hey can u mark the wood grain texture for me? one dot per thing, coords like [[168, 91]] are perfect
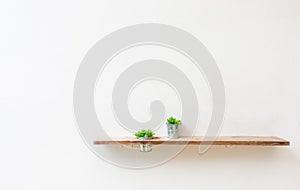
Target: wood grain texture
[[197, 140]]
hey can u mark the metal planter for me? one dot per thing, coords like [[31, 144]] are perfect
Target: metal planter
[[173, 131], [145, 147]]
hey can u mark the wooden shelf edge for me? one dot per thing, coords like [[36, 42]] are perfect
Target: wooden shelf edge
[[197, 140]]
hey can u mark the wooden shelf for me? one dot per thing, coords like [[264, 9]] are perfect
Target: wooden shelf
[[197, 140]]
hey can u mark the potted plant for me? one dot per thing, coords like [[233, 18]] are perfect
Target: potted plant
[[173, 127], [145, 134]]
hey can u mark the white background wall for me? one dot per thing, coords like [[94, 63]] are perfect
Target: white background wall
[[255, 43]]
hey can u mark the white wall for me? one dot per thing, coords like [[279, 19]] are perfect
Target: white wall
[[255, 43]]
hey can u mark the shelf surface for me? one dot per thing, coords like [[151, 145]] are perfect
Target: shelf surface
[[197, 140]]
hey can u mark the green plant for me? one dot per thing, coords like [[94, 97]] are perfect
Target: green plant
[[174, 121], [144, 133]]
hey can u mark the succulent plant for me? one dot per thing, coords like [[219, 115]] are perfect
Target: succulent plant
[[146, 133], [172, 120]]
